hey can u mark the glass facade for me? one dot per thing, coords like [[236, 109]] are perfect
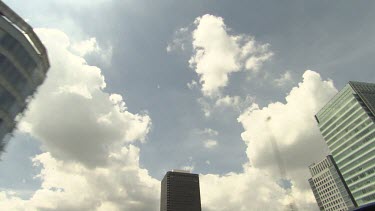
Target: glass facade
[[23, 66], [180, 191], [347, 124], [329, 188]]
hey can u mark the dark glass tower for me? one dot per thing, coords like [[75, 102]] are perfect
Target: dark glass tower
[[180, 192], [23, 67]]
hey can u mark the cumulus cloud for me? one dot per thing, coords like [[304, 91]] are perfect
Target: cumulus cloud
[[228, 101], [233, 191], [290, 127], [91, 46], [73, 98], [90, 161], [217, 53], [86, 46]]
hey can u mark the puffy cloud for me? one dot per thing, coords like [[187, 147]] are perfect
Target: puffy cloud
[[233, 191], [86, 46], [89, 161], [217, 54], [91, 46], [121, 185], [291, 126], [228, 101], [72, 116], [288, 131]]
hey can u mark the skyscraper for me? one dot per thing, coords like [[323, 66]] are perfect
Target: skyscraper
[[329, 189], [23, 67], [180, 192], [347, 123]]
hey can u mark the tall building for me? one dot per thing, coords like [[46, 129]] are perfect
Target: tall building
[[180, 192], [330, 191], [347, 123], [23, 67]]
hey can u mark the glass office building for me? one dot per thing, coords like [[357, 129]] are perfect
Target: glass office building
[[180, 192], [328, 186], [23, 67], [347, 124]]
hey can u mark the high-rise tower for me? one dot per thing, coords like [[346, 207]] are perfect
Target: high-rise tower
[[180, 192], [23, 67], [347, 123], [329, 189]]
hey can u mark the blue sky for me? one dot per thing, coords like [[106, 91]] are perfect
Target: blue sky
[[138, 88]]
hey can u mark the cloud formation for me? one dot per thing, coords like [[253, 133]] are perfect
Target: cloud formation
[[90, 161], [291, 126], [217, 53]]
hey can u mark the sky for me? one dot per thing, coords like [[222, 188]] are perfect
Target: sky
[[226, 89]]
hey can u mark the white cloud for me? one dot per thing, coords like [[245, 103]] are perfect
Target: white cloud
[[217, 54], [73, 98], [284, 79], [91, 46], [189, 168], [86, 46], [210, 143], [291, 126], [89, 161], [233, 191], [228, 101]]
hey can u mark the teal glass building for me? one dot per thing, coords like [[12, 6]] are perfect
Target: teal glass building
[[347, 123], [23, 67]]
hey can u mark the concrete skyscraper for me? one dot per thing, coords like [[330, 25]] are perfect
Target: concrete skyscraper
[[329, 189], [180, 192], [347, 123], [23, 67]]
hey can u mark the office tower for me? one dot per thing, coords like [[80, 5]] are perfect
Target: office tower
[[329, 189], [180, 192], [23, 67], [347, 125]]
